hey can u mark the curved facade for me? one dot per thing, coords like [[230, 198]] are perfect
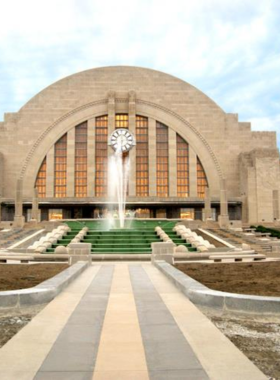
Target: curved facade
[[58, 144]]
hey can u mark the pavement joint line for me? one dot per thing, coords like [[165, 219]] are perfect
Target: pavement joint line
[[22, 356], [121, 353], [218, 355]]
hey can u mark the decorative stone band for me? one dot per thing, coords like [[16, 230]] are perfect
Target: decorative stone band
[[44, 292], [225, 302]]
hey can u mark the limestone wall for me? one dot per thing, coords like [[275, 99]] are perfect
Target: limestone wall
[[216, 137], [260, 184]]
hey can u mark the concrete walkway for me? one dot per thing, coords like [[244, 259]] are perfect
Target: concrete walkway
[[122, 321]]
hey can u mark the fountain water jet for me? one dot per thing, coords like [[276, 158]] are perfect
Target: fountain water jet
[[118, 176]]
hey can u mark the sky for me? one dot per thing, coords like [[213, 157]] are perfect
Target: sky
[[228, 49]]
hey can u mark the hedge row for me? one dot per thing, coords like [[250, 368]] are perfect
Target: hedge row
[[273, 232]]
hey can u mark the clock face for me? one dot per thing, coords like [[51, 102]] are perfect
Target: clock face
[[122, 140]]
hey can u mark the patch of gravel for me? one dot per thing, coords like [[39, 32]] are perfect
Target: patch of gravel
[[12, 321], [258, 339]]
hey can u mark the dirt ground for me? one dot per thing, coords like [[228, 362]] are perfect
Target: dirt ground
[[244, 278], [20, 276], [258, 339]]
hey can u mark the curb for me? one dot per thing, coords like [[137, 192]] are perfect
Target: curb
[[226, 302], [44, 292]]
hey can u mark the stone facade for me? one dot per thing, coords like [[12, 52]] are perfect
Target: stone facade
[[227, 148]]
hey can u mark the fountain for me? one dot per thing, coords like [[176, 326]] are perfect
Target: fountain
[[122, 141]]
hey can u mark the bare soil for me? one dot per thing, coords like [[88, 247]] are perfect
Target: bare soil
[[259, 278], [21, 276]]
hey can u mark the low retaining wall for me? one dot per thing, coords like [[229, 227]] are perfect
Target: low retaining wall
[[44, 292], [21, 245], [226, 302]]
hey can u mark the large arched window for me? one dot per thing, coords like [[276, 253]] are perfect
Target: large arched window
[[182, 167], [202, 182], [81, 160], [142, 157], [101, 155], [41, 180], [60, 167], [160, 159]]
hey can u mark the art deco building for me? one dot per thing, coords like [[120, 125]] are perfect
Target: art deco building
[[58, 143]]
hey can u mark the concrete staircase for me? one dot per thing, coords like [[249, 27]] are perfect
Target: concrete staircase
[[237, 238], [14, 235], [136, 240]]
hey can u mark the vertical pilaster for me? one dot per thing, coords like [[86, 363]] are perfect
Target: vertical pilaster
[[223, 199], [91, 158], [19, 218], [1, 175], [50, 173], [244, 208], [18, 198], [111, 112], [192, 172], [172, 163], [223, 217], [275, 202], [152, 158], [132, 153], [70, 190], [1, 182], [207, 204], [35, 208], [111, 126]]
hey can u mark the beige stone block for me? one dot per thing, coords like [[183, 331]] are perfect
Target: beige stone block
[[121, 375], [10, 374], [113, 357], [29, 356], [122, 333], [123, 302]]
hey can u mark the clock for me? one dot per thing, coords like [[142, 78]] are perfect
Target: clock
[[122, 140]]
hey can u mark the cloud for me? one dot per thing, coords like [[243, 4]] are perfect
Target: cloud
[[229, 50]]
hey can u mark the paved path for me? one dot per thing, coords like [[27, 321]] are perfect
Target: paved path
[[122, 321]]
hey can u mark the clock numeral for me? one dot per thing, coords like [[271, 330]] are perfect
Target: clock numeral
[[121, 139]]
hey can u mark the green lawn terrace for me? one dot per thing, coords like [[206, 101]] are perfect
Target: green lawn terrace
[[136, 237]]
